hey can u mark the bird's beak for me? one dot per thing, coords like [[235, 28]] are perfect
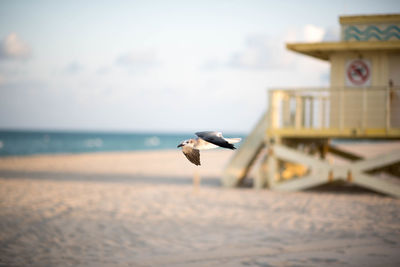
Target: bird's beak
[[180, 145]]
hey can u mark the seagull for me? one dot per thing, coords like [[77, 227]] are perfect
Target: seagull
[[205, 140]]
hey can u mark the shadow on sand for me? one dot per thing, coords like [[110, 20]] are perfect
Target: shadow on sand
[[107, 178], [336, 187]]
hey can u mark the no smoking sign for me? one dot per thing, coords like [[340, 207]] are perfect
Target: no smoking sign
[[358, 72]]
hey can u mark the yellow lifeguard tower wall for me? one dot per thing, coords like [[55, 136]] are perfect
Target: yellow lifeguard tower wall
[[381, 69], [385, 64]]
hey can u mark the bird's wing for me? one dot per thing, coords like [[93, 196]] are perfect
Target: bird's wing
[[215, 138], [192, 154]]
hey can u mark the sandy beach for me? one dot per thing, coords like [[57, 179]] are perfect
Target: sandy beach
[[142, 209]]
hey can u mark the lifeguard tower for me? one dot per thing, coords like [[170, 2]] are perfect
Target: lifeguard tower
[[363, 102]]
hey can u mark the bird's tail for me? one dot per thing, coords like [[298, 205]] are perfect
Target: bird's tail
[[233, 140]]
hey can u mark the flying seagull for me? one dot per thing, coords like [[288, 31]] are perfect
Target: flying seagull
[[205, 140]]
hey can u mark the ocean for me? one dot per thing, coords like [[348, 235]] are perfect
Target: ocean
[[14, 143]]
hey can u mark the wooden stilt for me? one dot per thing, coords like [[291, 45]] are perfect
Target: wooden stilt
[[196, 180]]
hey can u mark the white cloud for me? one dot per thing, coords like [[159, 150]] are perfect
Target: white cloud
[[12, 47], [141, 59], [312, 33], [332, 34], [260, 52], [74, 67], [269, 55], [308, 34], [308, 66], [103, 70]]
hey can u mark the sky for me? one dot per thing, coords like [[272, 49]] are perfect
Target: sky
[[159, 66]]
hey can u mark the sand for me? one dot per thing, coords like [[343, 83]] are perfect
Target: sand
[[141, 209]]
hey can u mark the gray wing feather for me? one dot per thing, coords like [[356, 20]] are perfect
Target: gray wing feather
[[215, 138], [193, 155]]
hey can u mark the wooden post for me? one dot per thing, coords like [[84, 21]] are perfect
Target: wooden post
[[196, 180], [261, 178], [299, 112], [322, 112], [311, 98], [387, 109], [272, 163], [286, 110], [364, 110], [273, 106], [324, 149], [341, 109], [303, 113], [349, 176]]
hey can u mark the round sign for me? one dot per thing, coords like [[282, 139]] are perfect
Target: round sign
[[358, 72]]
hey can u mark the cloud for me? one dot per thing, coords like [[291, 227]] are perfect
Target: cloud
[[332, 34], [74, 67], [103, 70], [260, 52], [305, 34], [137, 59], [312, 33], [12, 47], [263, 52]]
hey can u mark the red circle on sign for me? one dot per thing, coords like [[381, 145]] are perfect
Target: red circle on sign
[[358, 72]]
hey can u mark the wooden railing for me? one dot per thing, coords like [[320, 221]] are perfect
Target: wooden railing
[[335, 112]]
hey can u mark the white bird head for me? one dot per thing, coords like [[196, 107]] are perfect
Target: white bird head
[[189, 142]]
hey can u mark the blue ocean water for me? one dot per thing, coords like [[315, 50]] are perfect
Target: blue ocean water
[[46, 142]]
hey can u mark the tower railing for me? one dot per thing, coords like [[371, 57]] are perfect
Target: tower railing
[[367, 112]]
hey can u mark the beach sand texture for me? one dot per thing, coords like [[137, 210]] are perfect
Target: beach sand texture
[[141, 209]]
